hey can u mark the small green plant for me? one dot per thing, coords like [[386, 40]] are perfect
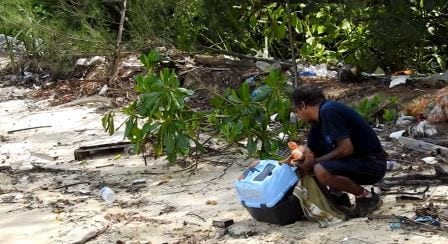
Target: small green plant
[[376, 109], [246, 114], [389, 115], [159, 114]]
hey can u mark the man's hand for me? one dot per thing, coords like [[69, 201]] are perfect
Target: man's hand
[[307, 165]]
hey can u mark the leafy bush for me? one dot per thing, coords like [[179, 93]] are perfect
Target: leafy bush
[[249, 114], [167, 121], [161, 116], [375, 109]]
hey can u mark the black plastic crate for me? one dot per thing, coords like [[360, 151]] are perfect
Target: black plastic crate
[[287, 211]]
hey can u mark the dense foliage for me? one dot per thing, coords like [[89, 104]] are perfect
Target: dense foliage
[[391, 34], [162, 117]]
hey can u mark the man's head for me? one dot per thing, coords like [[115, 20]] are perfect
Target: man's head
[[306, 102]]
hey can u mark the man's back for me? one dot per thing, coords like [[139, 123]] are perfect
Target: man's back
[[337, 121]]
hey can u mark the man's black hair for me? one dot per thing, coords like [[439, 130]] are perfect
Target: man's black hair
[[307, 95]]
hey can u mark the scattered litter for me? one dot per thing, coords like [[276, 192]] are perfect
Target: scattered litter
[[84, 152], [398, 80], [378, 72], [430, 160], [405, 120], [103, 90], [427, 219], [263, 66], [139, 182], [43, 156], [391, 164], [107, 194], [422, 129], [397, 134], [222, 223], [395, 226]]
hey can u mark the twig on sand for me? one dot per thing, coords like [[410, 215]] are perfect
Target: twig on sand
[[29, 128], [193, 214], [92, 235], [72, 184]]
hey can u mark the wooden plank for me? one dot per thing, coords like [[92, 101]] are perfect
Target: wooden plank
[[422, 146]]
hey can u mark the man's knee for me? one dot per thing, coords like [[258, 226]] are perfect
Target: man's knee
[[322, 175]]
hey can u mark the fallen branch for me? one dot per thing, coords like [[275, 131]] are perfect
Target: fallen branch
[[422, 146], [92, 235], [29, 128], [243, 56], [91, 99], [72, 184], [104, 166]]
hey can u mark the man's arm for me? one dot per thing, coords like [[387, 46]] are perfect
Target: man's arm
[[344, 148]]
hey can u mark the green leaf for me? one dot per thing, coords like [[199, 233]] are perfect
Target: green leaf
[[151, 59], [169, 141], [279, 31], [321, 29], [251, 145], [185, 91]]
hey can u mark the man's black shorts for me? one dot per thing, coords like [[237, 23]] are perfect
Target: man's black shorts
[[366, 171]]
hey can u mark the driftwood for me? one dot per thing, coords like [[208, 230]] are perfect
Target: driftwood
[[243, 56], [91, 99], [29, 128], [441, 177], [92, 235], [422, 146]]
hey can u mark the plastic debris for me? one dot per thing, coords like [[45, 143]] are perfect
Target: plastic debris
[[405, 120], [430, 160], [427, 219], [263, 66], [391, 164], [398, 80], [397, 134], [395, 226], [107, 194]]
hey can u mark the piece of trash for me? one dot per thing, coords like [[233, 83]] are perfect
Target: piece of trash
[[222, 223], [391, 164], [250, 80], [422, 129], [397, 134], [118, 156], [103, 90], [398, 80], [427, 219], [405, 120], [138, 182], [378, 72], [263, 66], [430, 160], [395, 226], [211, 202], [107, 194]]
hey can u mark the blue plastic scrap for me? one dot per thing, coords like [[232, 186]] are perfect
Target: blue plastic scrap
[[427, 219], [395, 226]]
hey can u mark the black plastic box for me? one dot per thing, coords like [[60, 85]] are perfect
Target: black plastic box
[[285, 212]]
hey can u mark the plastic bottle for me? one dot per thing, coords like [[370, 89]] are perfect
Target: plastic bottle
[[107, 194]]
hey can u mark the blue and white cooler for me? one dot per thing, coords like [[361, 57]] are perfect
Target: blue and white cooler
[[265, 190]]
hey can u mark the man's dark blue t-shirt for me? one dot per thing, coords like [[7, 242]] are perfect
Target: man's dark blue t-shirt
[[336, 122]]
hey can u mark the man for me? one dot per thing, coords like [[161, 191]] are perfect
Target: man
[[342, 151]]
